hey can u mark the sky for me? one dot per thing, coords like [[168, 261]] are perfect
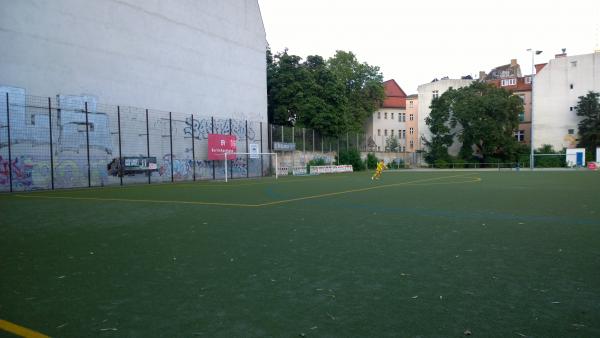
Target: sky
[[416, 41]]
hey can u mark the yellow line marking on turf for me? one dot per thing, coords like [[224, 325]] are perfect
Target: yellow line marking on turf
[[19, 330], [416, 182], [356, 190]]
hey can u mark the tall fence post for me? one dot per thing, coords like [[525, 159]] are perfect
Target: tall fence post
[[148, 145], [247, 151], [230, 171], [51, 148], [347, 141], [120, 149], [212, 130], [262, 168], [171, 144], [9, 150], [193, 152], [87, 142]]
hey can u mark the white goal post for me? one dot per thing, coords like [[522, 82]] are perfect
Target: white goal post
[[234, 155]]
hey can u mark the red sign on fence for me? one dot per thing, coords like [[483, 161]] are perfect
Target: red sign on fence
[[219, 144]]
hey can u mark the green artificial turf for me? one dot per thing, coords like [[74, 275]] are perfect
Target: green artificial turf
[[415, 254]]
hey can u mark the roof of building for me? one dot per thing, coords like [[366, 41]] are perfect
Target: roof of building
[[505, 71], [521, 86], [395, 97]]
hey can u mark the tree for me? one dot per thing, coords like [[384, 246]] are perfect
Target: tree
[[362, 86], [333, 97], [439, 125], [481, 117], [588, 108], [392, 144], [286, 81]]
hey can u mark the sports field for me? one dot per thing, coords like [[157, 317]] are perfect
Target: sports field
[[415, 254]]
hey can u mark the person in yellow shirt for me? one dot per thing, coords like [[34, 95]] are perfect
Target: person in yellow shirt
[[380, 167]]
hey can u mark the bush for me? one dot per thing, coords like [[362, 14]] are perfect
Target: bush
[[440, 164], [371, 161], [352, 157], [459, 163], [315, 161]]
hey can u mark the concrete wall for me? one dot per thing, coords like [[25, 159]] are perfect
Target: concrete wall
[[205, 57], [553, 98], [300, 159]]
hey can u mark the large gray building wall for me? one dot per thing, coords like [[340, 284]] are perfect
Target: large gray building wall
[[206, 57]]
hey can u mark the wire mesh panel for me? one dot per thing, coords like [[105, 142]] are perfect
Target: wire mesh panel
[[182, 164], [72, 147], [27, 160], [239, 167], [134, 142], [160, 146], [114, 151], [5, 162], [255, 166], [202, 126], [101, 146], [221, 126]]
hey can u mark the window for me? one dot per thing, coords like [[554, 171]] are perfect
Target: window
[[528, 79], [399, 133], [412, 130], [436, 94], [412, 117], [571, 131], [522, 97], [571, 86], [392, 130], [521, 116], [403, 133], [403, 117], [520, 135], [508, 82], [385, 132], [31, 120], [392, 117], [385, 115], [379, 115], [410, 104], [573, 63], [570, 108], [378, 132], [412, 144]]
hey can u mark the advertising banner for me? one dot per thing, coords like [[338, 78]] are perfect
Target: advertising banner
[[219, 144]]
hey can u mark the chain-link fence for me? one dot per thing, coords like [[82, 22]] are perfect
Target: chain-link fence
[[70, 141], [284, 138]]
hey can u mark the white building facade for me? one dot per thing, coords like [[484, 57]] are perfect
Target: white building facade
[[556, 91], [206, 57], [427, 92]]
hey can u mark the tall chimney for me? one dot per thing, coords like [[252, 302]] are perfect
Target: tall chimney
[[513, 62], [482, 75]]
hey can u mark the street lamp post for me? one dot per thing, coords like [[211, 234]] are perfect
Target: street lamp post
[[533, 54]]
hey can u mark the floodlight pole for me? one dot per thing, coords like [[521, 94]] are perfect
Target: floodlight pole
[[531, 155]]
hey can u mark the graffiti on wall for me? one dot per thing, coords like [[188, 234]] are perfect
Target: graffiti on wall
[[184, 168], [202, 127], [29, 172]]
